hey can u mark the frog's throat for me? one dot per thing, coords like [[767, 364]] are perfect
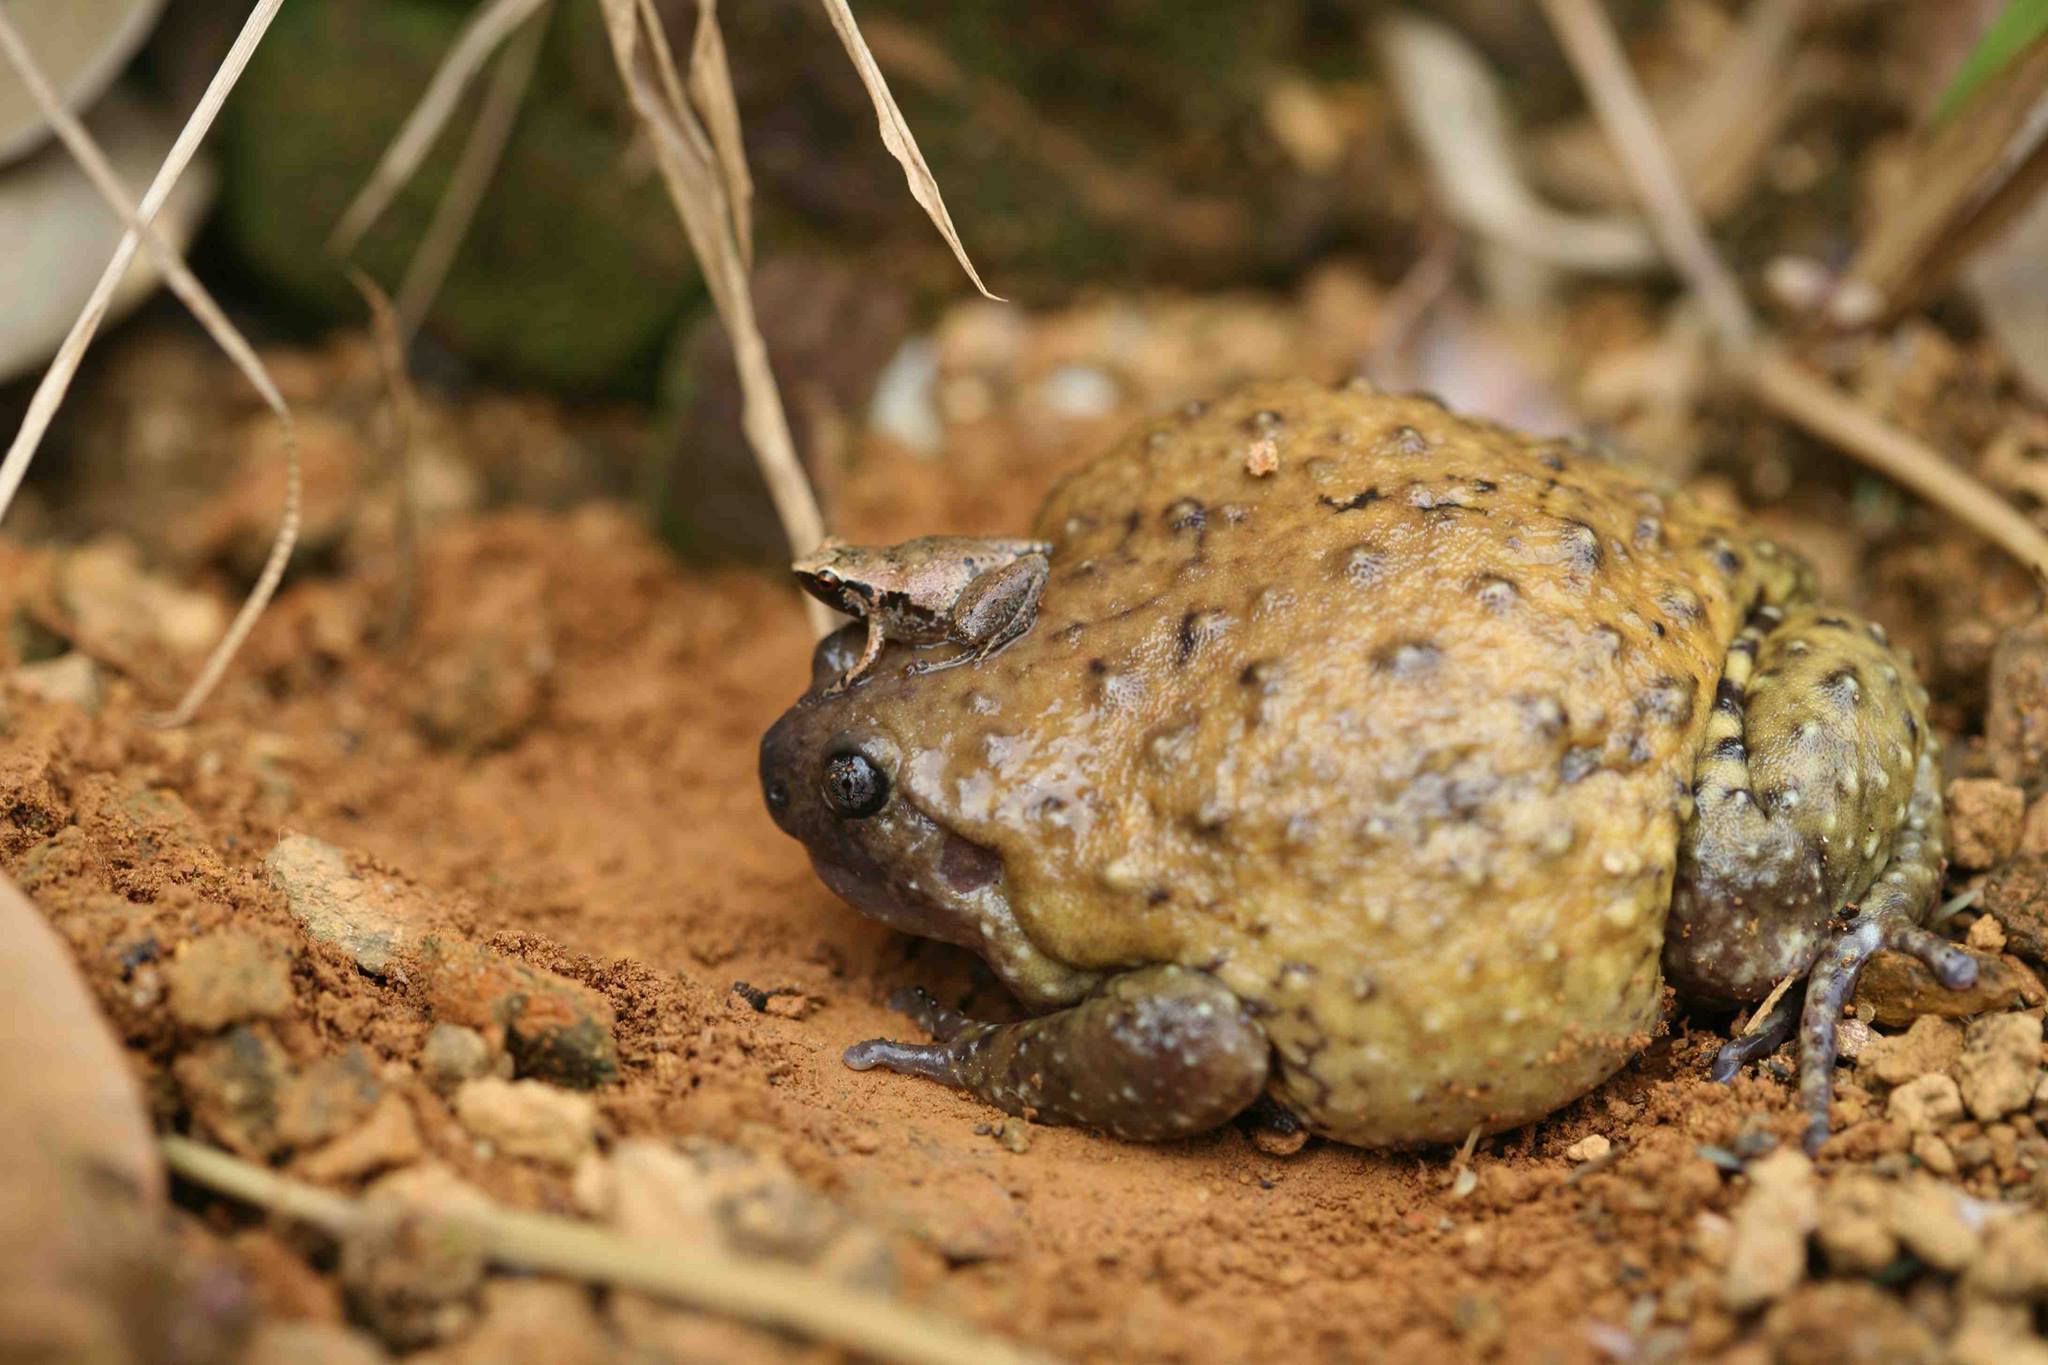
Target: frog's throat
[[958, 891]]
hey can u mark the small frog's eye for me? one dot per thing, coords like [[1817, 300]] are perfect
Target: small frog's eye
[[855, 787]]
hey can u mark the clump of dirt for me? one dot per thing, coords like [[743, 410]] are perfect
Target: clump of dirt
[[480, 901]]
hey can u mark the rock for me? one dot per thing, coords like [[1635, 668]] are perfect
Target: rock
[[2000, 1064], [1855, 1223], [328, 1097], [1926, 1104], [555, 1029], [1853, 1323], [312, 1343], [1935, 1154], [2034, 829], [82, 1208], [1984, 821], [1986, 935], [1896, 989], [1931, 1045], [389, 1137], [72, 678], [1589, 1148], [2016, 715], [751, 1204], [1928, 1218], [428, 1188], [529, 1119], [453, 1054], [113, 608], [226, 978], [1768, 1255], [1995, 1333], [2016, 895], [2015, 1260], [410, 1279], [333, 905], [533, 1320], [232, 1085]]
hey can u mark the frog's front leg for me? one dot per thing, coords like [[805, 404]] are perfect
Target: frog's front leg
[[993, 610], [1817, 836], [1156, 1053]]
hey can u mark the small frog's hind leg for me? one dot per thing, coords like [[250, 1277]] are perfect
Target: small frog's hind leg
[[1157, 1053], [995, 610]]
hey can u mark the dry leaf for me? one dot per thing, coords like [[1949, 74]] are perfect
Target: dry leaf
[[896, 136]]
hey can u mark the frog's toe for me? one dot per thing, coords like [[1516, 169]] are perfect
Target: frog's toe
[[1951, 966], [1764, 1036], [916, 1004]]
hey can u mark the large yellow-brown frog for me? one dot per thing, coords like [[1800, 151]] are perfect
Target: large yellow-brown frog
[[1372, 759]]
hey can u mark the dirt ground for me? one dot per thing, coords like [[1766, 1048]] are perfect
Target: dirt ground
[[543, 796]]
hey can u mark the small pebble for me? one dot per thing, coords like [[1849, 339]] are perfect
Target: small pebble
[[1985, 815], [1927, 1217], [1589, 1148], [1927, 1104], [228, 978], [529, 1119], [2000, 1064], [1768, 1255]]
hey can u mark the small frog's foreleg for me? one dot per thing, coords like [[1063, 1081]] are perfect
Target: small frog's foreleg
[[869, 652], [1157, 1053]]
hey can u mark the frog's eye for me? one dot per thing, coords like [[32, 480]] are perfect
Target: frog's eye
[[854, 786]]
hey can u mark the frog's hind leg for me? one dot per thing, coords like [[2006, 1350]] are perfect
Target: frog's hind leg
[[1156, 1053], [1816, 839], [1888, 918]]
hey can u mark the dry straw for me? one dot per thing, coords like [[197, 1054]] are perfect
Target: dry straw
[[56, 381]]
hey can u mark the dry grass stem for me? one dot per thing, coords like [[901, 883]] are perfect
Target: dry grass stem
[[711, 91], [486, 30], [386, 332], [768, 1293], [49, 394], [1811, 402], [1594, 51], [57, 379], [689, 166], [896, 136], [1452, 106], [481, 154], [1774, 378]]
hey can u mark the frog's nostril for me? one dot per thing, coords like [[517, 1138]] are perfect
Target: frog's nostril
[[777, 793]]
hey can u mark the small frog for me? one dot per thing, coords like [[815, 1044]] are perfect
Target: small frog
[[1386, 778], [975, 592]]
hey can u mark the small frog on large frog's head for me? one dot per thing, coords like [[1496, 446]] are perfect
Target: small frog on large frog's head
[[1379, 761], [977, 593]]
